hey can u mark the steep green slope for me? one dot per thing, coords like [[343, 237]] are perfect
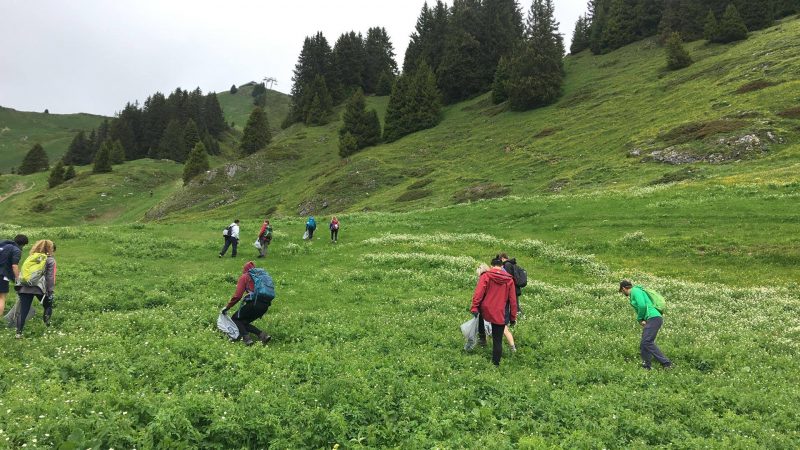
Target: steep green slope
[[237, 107], [621, 121], [19, 130]]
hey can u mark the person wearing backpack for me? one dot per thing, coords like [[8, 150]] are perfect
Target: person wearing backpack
[[264, 238], [311, 225], [334, 226], [37, 279], [231, 236], [483, 268], [495, 301], [649, 317], [256, 302], [10, 254]]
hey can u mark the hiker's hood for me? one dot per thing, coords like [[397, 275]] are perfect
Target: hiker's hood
[[499, 276], [512, 261], [247, 266]]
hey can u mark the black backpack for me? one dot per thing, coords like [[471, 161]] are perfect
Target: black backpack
[[520, 276]]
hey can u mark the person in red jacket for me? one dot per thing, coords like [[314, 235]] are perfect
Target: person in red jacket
[[495, 300], [250, 311]]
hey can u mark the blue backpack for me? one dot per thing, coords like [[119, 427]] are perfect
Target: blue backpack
[[263, 286], [311, 224]]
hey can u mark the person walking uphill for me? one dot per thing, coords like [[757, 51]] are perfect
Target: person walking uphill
[[311, 225], [495, 301], [231, 236], [10, 254], [264, 238], [334, 226], [260, 290], [37, 279], [651, 320]]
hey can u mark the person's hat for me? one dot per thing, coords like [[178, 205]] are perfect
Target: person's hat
[[625, 284]]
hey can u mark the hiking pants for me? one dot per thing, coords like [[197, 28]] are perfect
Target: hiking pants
[[497, 339], [310, 233], [264, 244], [249, 312], [25, 301], [229, 242], [648, 346], [334, 235]]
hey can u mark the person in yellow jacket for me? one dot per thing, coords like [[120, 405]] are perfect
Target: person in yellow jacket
[[650, 319]]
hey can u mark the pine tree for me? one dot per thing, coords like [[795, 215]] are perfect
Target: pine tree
[[499, 93], [234, 89], [414, 104], [397, 118], [536, 70], [211, 144], [196, 164], [191, 136], [69, 173], [648, 14], [363, 126], [314, 61], [711, 29], [500, 31], [620, 28], [117, 152], [102, 161], [599, 13], [428, 38], [35, 160], [348, 145], [156, 117], [79, 151], [677, 56], [215, 117], [56, 175], [320, 107], [385, 84], [121, 131], [756, 14], [172, 145], [731, 27], [349, 62], [379, 62], [580, 37], [256, 132]]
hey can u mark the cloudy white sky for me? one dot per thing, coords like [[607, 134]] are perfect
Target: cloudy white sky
[[95, 55]]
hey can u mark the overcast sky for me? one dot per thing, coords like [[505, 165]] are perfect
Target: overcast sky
[[96, 55]]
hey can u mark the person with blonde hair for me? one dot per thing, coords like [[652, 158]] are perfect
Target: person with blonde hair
[[41, 287]]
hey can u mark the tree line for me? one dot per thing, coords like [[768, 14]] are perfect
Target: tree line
[[611, 24]]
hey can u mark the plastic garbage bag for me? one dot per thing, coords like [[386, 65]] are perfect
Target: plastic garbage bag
[[11, 317], [305, 235], [257, 244], [470, 331], [226, 325]]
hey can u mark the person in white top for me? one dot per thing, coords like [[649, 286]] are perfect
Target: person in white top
[[231, 235]]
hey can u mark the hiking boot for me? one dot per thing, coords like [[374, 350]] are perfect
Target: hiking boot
[[645, 366], [667, 366], [220, 255], [248, 341], [264, 338], [18, 336]]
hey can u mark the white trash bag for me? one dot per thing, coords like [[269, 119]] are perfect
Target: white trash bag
[[226, 325], [257, 244], [305, 235]]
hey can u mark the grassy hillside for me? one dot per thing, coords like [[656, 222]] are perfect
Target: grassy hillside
[[622, 122], [19, 130], [237, 107]]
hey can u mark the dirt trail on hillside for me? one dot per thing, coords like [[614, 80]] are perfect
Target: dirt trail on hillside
[[19, 188]]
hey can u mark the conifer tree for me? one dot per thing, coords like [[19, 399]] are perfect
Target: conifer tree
[[35, 161], [501, 30], [348, 65], [378, 62], [69, 173], [648, 15], [196, 164], [320, 107], [211, 144], [711, 29], [191, 136], [56, 175], [756, 14], [428, 38], [536, 70], [499, 93], [215, 117], [731, 27], [172, 145], [79, 151], [314, 61], [121, 131], [117, 152], [620, 27], [599, 13], [234, 89], [461, 72], [397, 112], [414, 104], [361, 125], [580, 37], [102, 161], [256, 132], [385, 84], [677, 56]]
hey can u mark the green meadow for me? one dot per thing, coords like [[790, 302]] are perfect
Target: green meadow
[[366, 349]]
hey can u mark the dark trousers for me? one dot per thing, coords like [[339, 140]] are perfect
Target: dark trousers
[[249, 312], [310, 232], [648, 347], [497, 339], [334, 235], [25, 301], [229, 242]]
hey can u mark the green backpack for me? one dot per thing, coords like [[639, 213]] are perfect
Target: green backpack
[[658, 300]]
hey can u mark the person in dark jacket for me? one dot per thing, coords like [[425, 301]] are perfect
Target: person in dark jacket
[[43, 292], [250, 311], [264, 238], [10, 254], [495, 301]]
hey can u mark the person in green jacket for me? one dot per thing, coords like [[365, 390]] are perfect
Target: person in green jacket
[[650, 320]]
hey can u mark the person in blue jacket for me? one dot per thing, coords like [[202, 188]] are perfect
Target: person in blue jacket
[[311, 225]]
